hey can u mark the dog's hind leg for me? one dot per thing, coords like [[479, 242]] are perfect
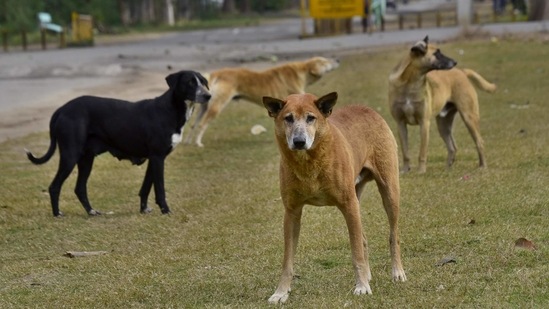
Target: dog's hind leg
[[84, 169], [292, 226], [67, 162], [472, 122], [445, 124]]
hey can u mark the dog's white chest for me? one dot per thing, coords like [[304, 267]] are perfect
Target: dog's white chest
[[409, 111], [177, 138]]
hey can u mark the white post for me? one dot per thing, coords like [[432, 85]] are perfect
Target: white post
[[170, 12], [464, 12]]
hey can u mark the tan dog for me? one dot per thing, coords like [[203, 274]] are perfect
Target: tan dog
[[426, 84], [328, 161], [235, 83]]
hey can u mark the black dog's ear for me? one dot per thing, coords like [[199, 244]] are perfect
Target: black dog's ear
[[173, 79], [273, 106], [203, 80], [420, 48], [326, 103]]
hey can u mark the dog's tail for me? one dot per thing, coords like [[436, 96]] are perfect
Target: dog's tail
[[479, 81], [48, 154], [51, 149]]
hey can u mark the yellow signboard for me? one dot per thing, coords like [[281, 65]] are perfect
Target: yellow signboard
[[336, 8]]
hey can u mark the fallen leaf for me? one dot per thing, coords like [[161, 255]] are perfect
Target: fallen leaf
[[258, 129], [524, 243], [73, 254], [446, 260]]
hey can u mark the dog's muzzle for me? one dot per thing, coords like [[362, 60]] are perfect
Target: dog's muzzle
[[298, 143], [202, 95]]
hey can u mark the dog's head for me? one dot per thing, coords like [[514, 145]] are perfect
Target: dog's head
[[428, 57], [189, 86], [300, 118], [316, 67]]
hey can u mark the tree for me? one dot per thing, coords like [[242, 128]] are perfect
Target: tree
[[228, 6], [539, 10]]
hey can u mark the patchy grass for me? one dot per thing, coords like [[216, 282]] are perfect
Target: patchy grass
[[222, 246]]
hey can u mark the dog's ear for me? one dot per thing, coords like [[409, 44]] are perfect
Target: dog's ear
[[273, 106], [173, 79], [326, 103], [420, 48], [203, 80]]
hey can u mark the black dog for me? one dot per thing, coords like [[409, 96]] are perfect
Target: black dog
[[88, 126]]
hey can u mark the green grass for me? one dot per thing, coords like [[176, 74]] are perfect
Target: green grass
[[222, 246]]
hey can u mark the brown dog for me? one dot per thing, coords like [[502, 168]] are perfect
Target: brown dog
[[235, 83], [425, 84], [328, 161]]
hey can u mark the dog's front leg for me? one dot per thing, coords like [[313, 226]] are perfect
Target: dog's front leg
[[424, 137], [156, 164], [145, 190], [197, 120], [351, 213], [403, 136], [292, 225]]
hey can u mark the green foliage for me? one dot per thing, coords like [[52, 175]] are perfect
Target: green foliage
[[222, 246], [17, 15]]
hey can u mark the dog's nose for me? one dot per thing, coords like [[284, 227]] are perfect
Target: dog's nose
[[299, 143], [207, 96]]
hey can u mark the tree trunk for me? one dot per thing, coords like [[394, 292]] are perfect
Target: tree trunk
[[538, 10], [245, 6], [228, 6], [125, 13], [170, 18]]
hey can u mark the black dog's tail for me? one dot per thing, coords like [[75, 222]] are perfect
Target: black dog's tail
[[51, 150]]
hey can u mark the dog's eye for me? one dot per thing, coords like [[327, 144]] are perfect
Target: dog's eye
[[311, 119], [289, 119]]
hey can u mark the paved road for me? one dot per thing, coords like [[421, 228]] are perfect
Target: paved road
[[34, 83]]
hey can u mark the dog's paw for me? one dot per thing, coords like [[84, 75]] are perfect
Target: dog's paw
[[59, 215], [166, 211], [362, 289], [279, 298], [94, 212], [399, 275], [146, 210]]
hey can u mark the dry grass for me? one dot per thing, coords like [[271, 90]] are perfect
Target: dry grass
[[222, 247]]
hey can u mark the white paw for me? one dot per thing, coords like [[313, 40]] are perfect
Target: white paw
[[364, 289], [399, 275], [279, 298]]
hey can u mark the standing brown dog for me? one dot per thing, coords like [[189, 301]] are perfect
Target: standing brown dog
[[425, 83], [240, 83], [328, 161]]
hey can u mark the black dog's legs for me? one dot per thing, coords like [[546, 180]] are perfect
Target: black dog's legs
[[84, 169], [146, 189], [157, 165], [154, 175], [66, 165]]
